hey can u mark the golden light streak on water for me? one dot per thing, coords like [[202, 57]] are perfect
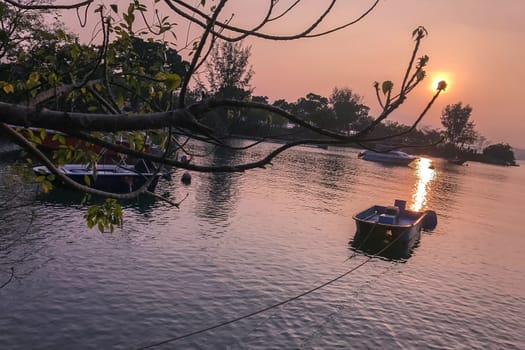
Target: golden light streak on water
[[425, 174]]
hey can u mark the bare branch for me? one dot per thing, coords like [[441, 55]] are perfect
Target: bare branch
[[9, 279], [147, 92], [358, 19], [188, 12], [49, 7], [414, 124], [195, 59], [24, 116]]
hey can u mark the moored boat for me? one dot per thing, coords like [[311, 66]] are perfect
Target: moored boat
[[391, 231], [390, 157], [107, 177]]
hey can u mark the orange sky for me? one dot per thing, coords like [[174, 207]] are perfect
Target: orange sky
[[478, 46]]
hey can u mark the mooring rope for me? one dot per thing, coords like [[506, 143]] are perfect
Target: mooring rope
[[340, 306], [239, 318], [364, 241], [355, 253]]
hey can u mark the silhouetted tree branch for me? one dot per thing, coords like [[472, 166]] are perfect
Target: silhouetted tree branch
[[109, 87]]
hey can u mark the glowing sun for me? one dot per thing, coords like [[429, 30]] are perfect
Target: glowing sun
[[438, 79]]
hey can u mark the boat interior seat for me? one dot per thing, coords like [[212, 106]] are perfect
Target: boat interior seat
[[387, 219], [392, 210]]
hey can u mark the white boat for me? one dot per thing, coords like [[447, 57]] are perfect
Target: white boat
[[391, 157]]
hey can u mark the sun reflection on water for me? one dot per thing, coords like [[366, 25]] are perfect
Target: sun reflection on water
[[425, 174]]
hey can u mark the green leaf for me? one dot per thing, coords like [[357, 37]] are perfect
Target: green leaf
[[47, 186], [8, 88], [61, 34], [84, 198], [34, 77], [52, 79], [75, 50], [62, 139], [33, 138], [120, 100], [105, 217], [420, 75], [114, 7], [173, 81], [387, 86]]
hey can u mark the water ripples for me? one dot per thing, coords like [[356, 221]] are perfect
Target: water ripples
[[240, 243]]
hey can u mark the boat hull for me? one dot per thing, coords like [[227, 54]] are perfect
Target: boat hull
[[386, 235], [109, 178], [392, 157]]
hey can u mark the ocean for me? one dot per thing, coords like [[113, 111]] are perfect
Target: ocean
[[244, 254]]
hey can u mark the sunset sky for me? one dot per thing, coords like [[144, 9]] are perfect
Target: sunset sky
[[478, 47]]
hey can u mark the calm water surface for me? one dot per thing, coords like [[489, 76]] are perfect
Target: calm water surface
[[242, 242]]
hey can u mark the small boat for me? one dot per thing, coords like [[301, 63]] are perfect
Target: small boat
[[108, 177], [391, 231], [390, 157]]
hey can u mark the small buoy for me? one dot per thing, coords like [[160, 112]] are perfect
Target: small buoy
[[186, 178], [430, 220]]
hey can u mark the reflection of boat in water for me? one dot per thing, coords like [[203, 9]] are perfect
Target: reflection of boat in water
[[391, 231], [457, 161], [321, 146], [65, 197], [107, 177], [390, 157]]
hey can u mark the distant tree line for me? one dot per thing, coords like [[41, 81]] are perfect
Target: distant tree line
[[229, 74], [342, 112], [61, 60], [461, 140]]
